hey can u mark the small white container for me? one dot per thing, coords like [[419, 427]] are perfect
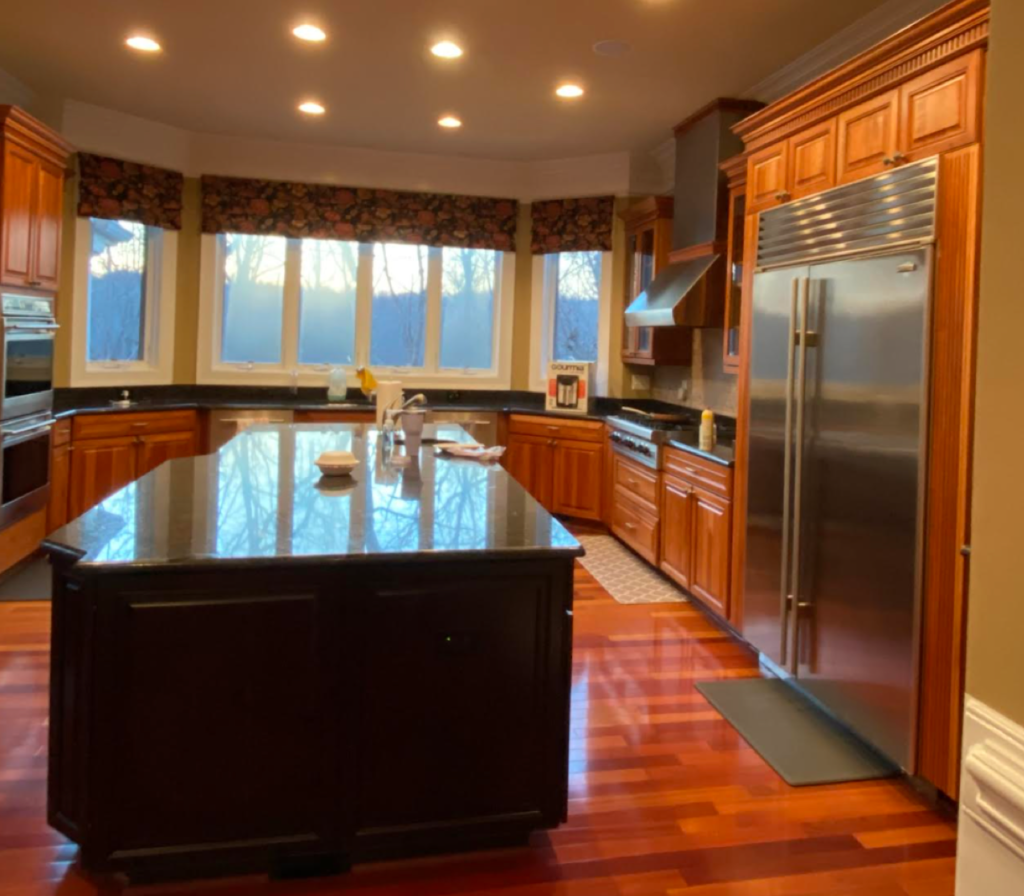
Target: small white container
[[412, 423], [337, 463], [337, 384]]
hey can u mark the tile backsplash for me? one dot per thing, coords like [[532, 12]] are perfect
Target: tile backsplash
[[708, 386]]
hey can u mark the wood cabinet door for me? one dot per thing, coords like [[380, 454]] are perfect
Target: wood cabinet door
[[712, 534], [578, 474], [939, 110], [220, 717], [60, 472], [49, 213], [812, 160], [868, 135], [154, 449], [20, 174], [99, 467], [677, 531], [528, 460], [767, 171]]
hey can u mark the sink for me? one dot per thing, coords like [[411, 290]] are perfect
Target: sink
[[121, 403]]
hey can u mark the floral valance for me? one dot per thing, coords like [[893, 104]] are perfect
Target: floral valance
[[323, 211], [129, 191], [572, 225]]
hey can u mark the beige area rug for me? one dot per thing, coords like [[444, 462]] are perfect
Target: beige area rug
[[624, 575]]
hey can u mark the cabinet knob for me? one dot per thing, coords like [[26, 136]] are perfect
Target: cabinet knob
[[782, 195], [899, 157], [630, 527]]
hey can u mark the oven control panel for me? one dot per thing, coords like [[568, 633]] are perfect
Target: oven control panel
[[26, 306]]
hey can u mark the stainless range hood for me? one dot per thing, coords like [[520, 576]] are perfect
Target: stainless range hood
[[685, 291], [664, 302]]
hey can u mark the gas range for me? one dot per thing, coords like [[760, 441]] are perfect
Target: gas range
[[642, 438]]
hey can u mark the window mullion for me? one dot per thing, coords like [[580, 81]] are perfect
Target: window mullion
[[151, 298], [291, 302], [432, 352]]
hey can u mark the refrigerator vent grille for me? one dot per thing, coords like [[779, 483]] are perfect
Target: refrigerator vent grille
[[891, 210]]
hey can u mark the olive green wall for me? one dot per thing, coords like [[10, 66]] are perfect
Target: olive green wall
[[995, 660]]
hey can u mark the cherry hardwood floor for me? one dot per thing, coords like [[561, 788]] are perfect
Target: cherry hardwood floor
[[666, 798]]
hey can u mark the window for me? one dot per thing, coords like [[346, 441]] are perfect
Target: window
[[577, 299], [274, 308], [571, 319], [121, 270], [399, 329], [253, 298], [327, 321], [468, 285]]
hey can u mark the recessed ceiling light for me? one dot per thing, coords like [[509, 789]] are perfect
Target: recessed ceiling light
[[145, 44], [310, 107], [309, 32], [449, 121], [446, 50], [569, 91]]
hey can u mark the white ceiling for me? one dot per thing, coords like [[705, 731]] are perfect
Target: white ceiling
[[232, 67]]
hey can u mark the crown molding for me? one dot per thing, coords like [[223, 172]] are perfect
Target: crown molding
[[867, 31]]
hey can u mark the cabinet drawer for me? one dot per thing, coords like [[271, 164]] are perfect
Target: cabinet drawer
[[639, 482], [557, 428], [335, 417], [698, 471], [636, 528], [105, 426]]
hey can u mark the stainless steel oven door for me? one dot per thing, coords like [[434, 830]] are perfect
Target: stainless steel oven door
[[24, 466], [27, 367]]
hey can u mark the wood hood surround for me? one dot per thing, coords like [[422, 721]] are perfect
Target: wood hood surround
[[917, 94]]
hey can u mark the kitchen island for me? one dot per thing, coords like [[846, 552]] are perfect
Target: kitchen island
[[254, 668]]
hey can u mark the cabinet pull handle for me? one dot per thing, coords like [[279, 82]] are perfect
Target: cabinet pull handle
[[782, 195], [630, 527], [899, 157]]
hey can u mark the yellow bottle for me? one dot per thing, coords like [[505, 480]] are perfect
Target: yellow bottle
[[707, 430], [367, 381]]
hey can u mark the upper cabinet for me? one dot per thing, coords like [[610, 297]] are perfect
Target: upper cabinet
[[868, 137], [648, 241], [931, 113], [735, 170], [34, 160]]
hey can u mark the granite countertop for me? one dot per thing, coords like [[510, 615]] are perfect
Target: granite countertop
[[723, 453], [167, 398], [260, 499]]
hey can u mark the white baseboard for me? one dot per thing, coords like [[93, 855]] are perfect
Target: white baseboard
[[990, 850]]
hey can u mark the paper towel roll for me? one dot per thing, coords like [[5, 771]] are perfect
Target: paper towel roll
[[389, 395]]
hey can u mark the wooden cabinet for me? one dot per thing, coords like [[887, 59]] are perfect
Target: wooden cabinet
[[812, 160], [677, 530], [710, 537], [767, 177], [635, 511], [648, 242], [339, 416], [941, 109], [696, 534], [576, 485], [60, 475], [34, 159], [109, 451], [530, 461], [560, 462], [868, 137]]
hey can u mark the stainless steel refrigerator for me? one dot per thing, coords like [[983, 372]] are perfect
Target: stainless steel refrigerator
[[837, 448]]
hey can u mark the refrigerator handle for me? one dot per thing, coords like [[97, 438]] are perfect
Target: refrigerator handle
[[801, 398], [784, 596]]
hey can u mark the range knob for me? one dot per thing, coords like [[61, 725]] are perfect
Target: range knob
[[616, 437], [645, 449]]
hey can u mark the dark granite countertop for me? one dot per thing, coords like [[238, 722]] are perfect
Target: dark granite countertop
[[260, 499], [723, 453]]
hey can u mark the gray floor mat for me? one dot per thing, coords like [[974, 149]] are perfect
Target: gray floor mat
[[803, 744]]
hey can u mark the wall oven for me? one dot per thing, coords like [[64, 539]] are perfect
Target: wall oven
[[24, 466], [29, 328]]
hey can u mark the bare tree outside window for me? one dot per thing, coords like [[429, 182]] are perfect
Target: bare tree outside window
[[327, 316], [467, 308], [399, 327], [253, 298], [117, 291], [577, 299]]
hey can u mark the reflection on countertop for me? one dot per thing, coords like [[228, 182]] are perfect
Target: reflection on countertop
[[261, 498]]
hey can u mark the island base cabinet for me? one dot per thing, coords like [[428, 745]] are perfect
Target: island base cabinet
[[256, 719]]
